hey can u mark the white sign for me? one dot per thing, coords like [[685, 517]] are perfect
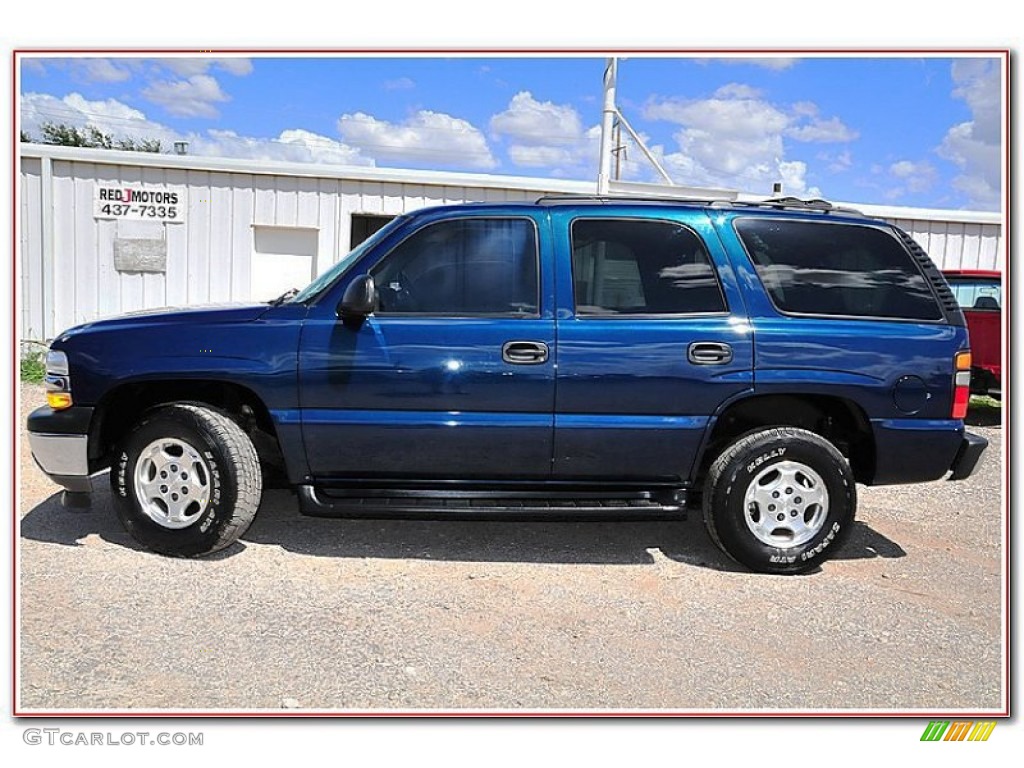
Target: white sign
[[138, 203]]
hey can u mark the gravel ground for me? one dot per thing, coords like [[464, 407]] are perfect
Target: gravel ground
[[339, 614]]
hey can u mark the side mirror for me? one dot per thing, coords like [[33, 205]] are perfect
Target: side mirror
[[360, 298]]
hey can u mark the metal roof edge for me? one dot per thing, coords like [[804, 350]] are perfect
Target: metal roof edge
[[429, 178], [307, 170], [903, 212], [927, 214]]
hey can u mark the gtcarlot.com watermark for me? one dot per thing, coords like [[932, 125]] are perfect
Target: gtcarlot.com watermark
[[60, 737]]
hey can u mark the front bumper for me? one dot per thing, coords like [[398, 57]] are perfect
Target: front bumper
[[60, 445], [966, 460]]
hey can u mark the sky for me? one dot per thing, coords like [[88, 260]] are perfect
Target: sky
[[915, 131]]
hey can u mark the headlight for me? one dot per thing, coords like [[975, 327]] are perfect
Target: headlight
[[58, 381], [57, 363]]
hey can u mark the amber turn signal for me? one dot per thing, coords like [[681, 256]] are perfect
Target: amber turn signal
[[59, 400]]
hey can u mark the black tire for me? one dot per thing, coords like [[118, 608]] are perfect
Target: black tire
[[234, 480], [726, 511]]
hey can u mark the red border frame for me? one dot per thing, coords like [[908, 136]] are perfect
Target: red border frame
[[1003, 53]]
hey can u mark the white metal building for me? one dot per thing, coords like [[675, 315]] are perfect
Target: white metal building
[[203, 230]]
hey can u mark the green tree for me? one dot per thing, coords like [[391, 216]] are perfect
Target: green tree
[[142, 145], [92, 137]]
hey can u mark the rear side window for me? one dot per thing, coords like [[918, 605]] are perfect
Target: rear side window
[[836, 269], [641, 267], [977, 294]]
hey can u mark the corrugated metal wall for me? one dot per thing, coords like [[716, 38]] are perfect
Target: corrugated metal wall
[[957, 244], [209, 255], [30, 243]]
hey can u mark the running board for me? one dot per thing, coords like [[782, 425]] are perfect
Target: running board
[[367, 503]]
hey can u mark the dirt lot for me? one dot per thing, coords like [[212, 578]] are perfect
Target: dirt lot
[[342, 614]]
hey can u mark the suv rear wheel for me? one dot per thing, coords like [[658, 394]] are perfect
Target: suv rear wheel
[[780, 500], [186, 481]]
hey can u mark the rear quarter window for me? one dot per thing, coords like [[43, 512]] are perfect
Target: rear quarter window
[[825, 268], [977, 294]]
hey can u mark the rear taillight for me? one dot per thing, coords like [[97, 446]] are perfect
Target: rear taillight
[[961, 384]]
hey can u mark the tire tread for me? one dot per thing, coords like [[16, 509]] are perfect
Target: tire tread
[[718, 469], [240, 453]]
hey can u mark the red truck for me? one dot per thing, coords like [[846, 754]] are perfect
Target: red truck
[[979, 292]]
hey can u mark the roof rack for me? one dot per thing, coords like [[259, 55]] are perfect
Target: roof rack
[[790, 204], [569, 199], [816, 205]]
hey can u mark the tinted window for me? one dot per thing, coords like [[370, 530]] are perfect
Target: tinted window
[[836, 269], [639, 267], [471, 266], [977, 294]]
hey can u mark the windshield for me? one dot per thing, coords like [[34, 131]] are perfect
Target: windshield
[[977, 293], [312, 290]]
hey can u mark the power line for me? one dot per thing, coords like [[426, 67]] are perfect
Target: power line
[[73, 112], [305, 141]]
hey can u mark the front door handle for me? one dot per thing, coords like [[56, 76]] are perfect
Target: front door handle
[[709, 353], [524, 352]]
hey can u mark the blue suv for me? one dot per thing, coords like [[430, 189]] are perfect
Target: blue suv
[[572, 356]]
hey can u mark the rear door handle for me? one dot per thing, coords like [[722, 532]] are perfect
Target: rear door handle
[[524, 352], [709, 353]]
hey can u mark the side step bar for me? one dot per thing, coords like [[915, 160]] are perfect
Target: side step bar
[[319, 502]]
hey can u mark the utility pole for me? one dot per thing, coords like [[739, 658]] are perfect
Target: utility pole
[[619, 150], [607, 126], [612, 123]]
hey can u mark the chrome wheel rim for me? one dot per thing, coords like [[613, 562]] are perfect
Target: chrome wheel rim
[[786, 504], [172, 483]]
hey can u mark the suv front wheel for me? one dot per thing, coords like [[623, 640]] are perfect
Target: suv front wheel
[[780, 500], [186, 481]]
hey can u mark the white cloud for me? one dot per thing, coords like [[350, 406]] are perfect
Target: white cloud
[[110, 116], [123, 121], [912, 176], [979, 84], [832, 130], [538, 123], [904, 169], [542, 134], [187, 66], [726, 116], [726, 142], [771, 62], [90, 69], [976, 145], [399, 84], [429, 138], [837, 163], [555, 158], [33, 65], [102, 70], [777, 63], [235, 66], [805, 109], [793, 174], [194, 97], [737, 139], [980, 192], [737, 91], [295, 145]]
